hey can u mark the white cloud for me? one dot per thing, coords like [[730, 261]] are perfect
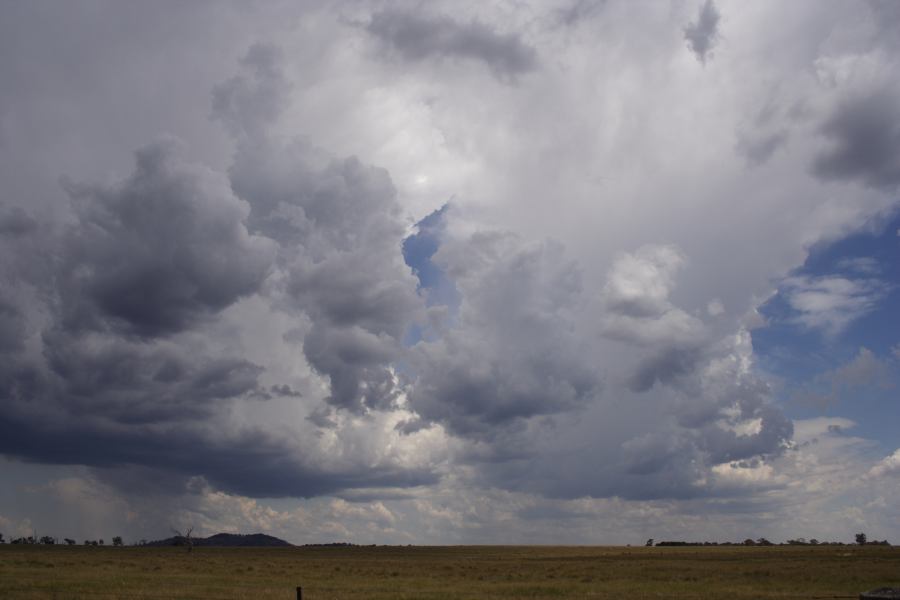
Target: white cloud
[[831, 303], [889, 466]]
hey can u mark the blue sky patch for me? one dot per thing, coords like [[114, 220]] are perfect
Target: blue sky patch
[[834, 333]]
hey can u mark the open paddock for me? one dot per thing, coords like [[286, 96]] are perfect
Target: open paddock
[[438, 573]]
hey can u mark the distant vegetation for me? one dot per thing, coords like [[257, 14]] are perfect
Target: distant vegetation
[[253, 540], [861, 540], [257, 540], [261, 540]]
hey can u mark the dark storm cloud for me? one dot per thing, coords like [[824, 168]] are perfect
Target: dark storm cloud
[[11, 326], [250, 463], [161, 250], [415, 36], [864, 141], [128, 382], [702, 35], [15, 222], [129, 372]]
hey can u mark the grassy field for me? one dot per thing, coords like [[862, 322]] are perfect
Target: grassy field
[[433, 573]]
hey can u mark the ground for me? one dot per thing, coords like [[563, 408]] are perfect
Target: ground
[[433, 573]]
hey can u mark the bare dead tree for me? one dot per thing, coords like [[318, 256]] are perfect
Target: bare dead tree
[[186, 537]]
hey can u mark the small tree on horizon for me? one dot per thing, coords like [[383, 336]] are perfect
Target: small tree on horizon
[[117, 541], [185, 538], [861, 539]]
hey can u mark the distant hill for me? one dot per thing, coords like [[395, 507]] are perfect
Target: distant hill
[[231, 540]]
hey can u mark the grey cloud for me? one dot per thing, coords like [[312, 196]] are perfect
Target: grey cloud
[[513, 354], [250, 101], [357, 364], [129, 372], [578, 10], [415, 36], [864, 136], [649, 454], [12, 328], [340, 232], [758, 148], [724, 445], [739, 424], [136, 382], [702, 35], [159, 251], [664, 367], [285, 390], [863, 371], [886, 18], [15, 222], [637, 310], [660, 459]]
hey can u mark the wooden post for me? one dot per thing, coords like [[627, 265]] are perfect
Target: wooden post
[[299, 593]]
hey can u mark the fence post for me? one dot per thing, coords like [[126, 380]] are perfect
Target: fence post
[[299, 593]]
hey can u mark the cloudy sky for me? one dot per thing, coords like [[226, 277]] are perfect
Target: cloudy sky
[[545, 271]]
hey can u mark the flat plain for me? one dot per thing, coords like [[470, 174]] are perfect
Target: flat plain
[[436, 573]]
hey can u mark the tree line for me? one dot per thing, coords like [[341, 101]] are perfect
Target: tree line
[[47, 540], [861, 540]]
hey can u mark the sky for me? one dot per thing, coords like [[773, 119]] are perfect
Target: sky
[[555, 272]]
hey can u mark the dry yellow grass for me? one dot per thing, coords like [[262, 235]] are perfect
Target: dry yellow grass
[[435, 573]]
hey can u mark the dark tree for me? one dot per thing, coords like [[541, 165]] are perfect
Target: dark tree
[[117, 541], [649, 542], [48, 540], [184, 539], [861, 539], [2, 541], [69, 541]]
